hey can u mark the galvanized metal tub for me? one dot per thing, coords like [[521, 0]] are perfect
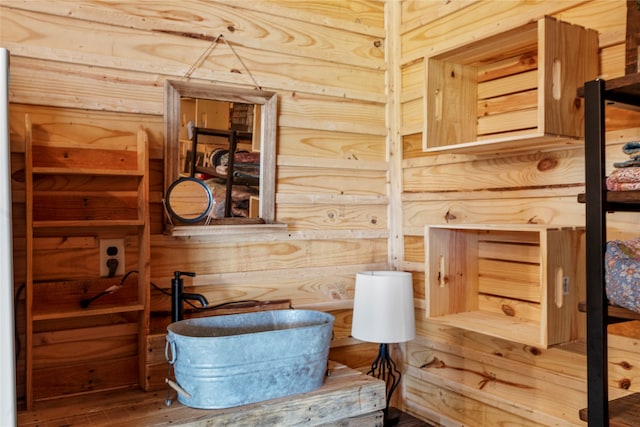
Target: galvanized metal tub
[[227, 361]]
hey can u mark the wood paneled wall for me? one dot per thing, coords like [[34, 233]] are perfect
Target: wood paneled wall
[[452, 376], [342, 124], [95, 70]]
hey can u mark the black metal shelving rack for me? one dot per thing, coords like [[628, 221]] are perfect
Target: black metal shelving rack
[[623, 92], [233, 136]]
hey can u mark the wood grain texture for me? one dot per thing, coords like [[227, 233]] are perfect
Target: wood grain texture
[[101, 68], [333, 217], [502, 361], [206, 258], [330, 181], [532, 208], [103, 65], [429, 400], [330, 144], [471, 21], [263, 27], [173, 48], [305, 291], [416, 13], [67, 126]]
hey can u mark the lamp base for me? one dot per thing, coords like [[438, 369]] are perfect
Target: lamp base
[[385, 369], [391, 417]]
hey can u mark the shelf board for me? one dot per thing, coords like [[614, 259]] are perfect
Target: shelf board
[[236, 180], [622, 313], [88, 223], [623, 92], [496, 325], [514, 142], [224, 133], [623, 412], [225, 227], [68, 171], [619, 200], [80, 312], [613, 311]]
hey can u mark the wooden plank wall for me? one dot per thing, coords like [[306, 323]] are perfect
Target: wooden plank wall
[[459, 378], [101, 66], [95, 70]]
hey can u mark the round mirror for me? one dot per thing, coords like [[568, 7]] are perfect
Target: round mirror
[[189, 200]]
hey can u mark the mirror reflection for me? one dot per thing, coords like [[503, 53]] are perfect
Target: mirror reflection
[[217, 145], [224, 137]]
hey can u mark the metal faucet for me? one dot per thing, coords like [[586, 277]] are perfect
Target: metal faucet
[[178, 296]]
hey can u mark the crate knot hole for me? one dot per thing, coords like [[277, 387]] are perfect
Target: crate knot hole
[[625, 365], [534, 350], [547, 164], [449, 216], [508, 310]]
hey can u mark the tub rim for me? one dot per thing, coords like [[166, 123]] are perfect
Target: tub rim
[[327, 319]]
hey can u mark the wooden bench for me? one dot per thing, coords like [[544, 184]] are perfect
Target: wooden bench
[[347, 398]]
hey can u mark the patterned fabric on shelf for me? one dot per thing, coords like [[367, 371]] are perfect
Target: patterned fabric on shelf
[[622, 278]]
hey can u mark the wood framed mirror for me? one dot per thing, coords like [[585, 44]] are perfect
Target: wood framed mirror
[[177, 163]]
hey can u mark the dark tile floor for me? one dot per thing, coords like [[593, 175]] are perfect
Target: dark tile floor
[[407, 420]]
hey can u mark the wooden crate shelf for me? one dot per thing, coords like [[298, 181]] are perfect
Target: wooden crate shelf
[[517, 282], [511, 91]]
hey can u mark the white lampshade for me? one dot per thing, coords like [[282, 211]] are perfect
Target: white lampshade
[[383, 307]]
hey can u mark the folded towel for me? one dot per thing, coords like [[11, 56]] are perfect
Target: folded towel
[[623, 186], [631, 147], [624, 179], [633, 162]]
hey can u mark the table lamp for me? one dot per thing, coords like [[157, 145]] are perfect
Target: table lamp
[[383, 313]]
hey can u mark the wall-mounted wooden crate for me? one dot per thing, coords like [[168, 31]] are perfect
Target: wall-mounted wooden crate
[[517, 282], [512, 91]]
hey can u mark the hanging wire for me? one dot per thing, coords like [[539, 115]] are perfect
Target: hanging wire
[[241, 62], [202, 57], [209, 50]]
